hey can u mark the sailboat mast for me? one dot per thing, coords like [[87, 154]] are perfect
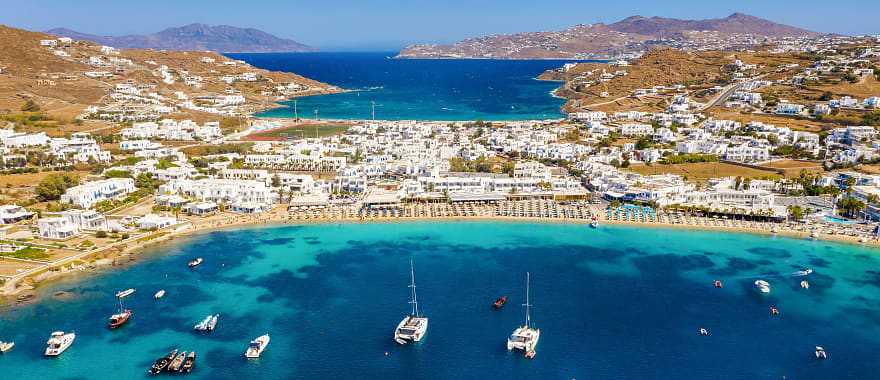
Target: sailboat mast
[[527, 305], [414, 301]]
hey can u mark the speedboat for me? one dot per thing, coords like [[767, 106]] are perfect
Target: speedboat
[[413, 327], [805, 284], [207, 324], [159, 294], [162, 363], [119, 319], [594, 223], [703, 331], [257, 346], [774, 311], [59, 342], [499, 303], [718, 284], [177, 363], [525, 337], [762, 286], [820, 353], [189, 362], [803, 272], [125, 293], [6, 346], [195, 263]]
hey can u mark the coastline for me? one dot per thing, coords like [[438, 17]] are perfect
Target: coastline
[[27, 289]]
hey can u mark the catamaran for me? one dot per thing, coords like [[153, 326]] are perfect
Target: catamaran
[[59, 342], [525, 337], [413, 327]]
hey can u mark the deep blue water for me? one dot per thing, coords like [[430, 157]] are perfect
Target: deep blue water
[[612, 303], [406, 89]]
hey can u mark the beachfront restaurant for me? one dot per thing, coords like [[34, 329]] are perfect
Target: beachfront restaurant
[[202, 208]]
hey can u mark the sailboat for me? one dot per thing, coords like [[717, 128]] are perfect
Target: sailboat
[[525, 337], [413, 327], [122, 315]]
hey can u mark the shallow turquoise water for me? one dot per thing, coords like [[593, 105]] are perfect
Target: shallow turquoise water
[[407, 89], [616, 303]]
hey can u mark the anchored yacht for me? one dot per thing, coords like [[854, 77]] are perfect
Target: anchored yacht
[[525, 337], [59, 342], [413, 327]]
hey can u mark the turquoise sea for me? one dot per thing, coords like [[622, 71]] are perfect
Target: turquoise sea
[[612, 303], [406, 89]]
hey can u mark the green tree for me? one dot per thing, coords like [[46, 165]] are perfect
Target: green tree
[[796, 212], [144, 181], [54, 185]]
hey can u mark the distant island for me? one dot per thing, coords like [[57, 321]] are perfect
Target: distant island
[[196, 37], [632, 35]]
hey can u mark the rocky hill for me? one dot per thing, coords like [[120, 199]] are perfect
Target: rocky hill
[[632, 35], [64, 78], [196, 37]]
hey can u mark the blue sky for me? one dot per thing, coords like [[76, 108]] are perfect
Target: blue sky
[[390, 24]]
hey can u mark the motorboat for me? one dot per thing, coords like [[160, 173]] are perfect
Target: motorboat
[[499, 303], [820, 353], [120, 318], [162, 363], [805, 284], [6, 346], [803, 272], [762, 286], [774, 311], [159, 294], [594, 223], [189, 362], [207, 324], [177, 363], [124, 293], [414, 326], [525, 337], [257, 346], [195, 263], [703, 331], [718, 284], [59, 342]]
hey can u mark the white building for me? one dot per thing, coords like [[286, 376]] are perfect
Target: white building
[[90, 193]]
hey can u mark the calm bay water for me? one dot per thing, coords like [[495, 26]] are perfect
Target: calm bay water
[[612, 303], [417, 89]]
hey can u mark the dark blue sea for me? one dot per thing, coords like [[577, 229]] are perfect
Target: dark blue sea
[[406, 89], [612, 303]]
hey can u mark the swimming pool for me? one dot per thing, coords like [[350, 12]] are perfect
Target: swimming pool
[[834, 219]]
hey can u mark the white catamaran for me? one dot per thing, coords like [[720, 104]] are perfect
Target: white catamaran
[[413, 327], [525, 337]]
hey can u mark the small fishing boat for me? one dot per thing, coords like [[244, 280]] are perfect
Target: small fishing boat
[[525, 337], [162, 363], [805, 284], [119, 319], [413, 327], [177, 363], [6, 346], [124, 293], [762, 286], [257, 346], [195, 263], [189, 363], [59, 342], [718, 284], [703, 331], [159, 294], [820, 353], [499, 303], [774, 311]]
